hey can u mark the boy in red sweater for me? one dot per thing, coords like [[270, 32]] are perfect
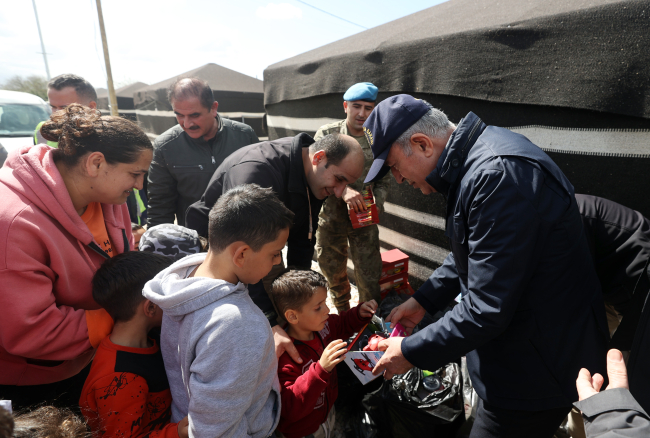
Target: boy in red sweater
[[309, 390], [126, 393]]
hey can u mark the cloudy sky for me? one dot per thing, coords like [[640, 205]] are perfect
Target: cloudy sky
[[151, 41]]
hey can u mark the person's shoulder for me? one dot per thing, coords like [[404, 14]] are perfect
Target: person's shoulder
[[332, 128], [236, 126], [168, 136]]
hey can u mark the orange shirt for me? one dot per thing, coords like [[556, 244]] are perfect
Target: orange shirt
[[94, 219], [127, 394]]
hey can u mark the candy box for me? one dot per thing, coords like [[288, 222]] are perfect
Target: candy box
[[367, 217], [394, 262], [398, 283]]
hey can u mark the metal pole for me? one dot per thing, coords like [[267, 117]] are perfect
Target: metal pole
[[111, 89], [40, 35]]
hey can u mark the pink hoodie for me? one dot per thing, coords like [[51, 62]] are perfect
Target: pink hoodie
[[46, 270]]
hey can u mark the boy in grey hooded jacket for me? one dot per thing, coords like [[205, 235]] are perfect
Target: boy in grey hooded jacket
[[217, 344]]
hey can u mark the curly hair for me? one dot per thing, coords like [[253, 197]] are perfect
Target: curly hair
[[80, 130], [293, 289], [6, 424], [50, 422]]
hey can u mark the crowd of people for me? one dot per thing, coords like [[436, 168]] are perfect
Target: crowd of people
[[193, 325]]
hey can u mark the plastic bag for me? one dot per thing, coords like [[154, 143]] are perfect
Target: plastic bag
[[404, 407]]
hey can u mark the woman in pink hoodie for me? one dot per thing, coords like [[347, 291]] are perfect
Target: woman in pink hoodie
[[62, 213]]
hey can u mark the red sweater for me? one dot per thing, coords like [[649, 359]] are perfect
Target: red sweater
[[308, 391], [127, 394]]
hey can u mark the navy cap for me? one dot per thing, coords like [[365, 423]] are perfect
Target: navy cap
[[388, 121], [361, 91]]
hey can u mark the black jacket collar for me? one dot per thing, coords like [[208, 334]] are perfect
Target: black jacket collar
[[451, 161]]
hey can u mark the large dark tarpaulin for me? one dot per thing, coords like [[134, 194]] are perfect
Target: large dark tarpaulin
[[589, 54], [124, 96]]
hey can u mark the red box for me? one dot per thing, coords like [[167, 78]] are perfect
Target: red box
[[365, 218], [398, 283], [394, 262]]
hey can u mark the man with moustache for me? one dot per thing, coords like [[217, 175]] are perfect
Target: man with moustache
[[186, 156], [531, 314], [334, 226]]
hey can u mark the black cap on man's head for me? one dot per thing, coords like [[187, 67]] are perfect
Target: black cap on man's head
[[388, 121]]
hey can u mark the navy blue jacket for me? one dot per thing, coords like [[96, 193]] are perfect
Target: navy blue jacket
[[531, 313]]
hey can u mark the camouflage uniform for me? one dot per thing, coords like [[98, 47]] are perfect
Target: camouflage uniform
[[335, 232], [173, 241]]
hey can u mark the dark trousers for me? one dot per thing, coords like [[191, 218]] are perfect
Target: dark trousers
[[63, 394], [493, 422]]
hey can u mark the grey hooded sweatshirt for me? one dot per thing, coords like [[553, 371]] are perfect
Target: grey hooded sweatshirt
[[219, 354]]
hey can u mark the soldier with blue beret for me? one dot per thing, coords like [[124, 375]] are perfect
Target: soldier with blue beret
[[336, 240]]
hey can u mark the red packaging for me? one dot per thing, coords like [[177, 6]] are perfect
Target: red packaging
[[394, 262], [398, 283], [368, 217]]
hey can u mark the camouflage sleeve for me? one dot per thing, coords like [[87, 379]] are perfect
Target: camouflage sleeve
[[380, 189], [319, 134]]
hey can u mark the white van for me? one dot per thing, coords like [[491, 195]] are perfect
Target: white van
[[20, 113]]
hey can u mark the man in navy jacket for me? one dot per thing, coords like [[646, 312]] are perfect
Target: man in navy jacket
[[531, 313]]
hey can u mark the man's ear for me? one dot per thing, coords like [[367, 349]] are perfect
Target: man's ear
[[240, 253], [291, 316], [345, 106], [422, 143], [319, 157], [150, 309], [214, 108], [93, 163], [92, 104]]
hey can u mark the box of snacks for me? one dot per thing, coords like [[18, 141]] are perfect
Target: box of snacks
[[367, 217]]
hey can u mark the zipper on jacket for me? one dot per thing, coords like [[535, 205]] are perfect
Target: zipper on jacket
[[213, 160], [197, 166]]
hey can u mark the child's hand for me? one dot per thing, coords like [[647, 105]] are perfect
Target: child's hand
[[183, 425], [367, 309], [333, 355]]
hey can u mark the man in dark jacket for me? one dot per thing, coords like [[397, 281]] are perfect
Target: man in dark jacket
[[302, 173], [531, 313], [186, 156]]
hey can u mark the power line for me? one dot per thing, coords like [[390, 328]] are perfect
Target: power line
[[329, 13]]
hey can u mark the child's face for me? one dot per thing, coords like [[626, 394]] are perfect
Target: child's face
[[314, 314], [258, 264], [137, 235]]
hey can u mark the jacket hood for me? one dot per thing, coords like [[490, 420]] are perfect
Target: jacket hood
[[178, 295], [31, 171]]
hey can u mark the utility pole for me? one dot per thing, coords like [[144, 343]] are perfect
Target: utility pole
[[109, 75], [38, 25]]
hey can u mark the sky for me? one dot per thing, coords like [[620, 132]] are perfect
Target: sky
[[153, 40]]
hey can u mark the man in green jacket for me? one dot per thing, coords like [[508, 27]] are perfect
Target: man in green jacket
[[334, 226], [186, 156]]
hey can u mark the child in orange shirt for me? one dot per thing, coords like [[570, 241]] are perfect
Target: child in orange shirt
[[126, 393]]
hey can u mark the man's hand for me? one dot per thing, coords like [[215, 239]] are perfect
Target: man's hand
[[333, 355], [182, 426], [393, 361], [354, 199], [409, 314], [616, 372], [368, 309], [283, 343]]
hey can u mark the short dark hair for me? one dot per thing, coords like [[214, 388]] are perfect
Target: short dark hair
[[247, 213], [81, 86], [334, 147], [80, 130], [135, 227], [182, 88], [118, 283], [293, 289]]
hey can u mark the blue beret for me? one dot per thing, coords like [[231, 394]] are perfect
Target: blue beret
[[361, 91], [390, 119]]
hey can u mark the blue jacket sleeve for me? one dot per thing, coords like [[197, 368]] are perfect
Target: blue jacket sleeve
[[442, 287], [497, 228]]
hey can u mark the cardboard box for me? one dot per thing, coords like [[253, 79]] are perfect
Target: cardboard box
[[394, 262], [368, 217], [398, 283]]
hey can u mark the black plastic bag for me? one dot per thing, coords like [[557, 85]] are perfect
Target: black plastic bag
[[404, 407]]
